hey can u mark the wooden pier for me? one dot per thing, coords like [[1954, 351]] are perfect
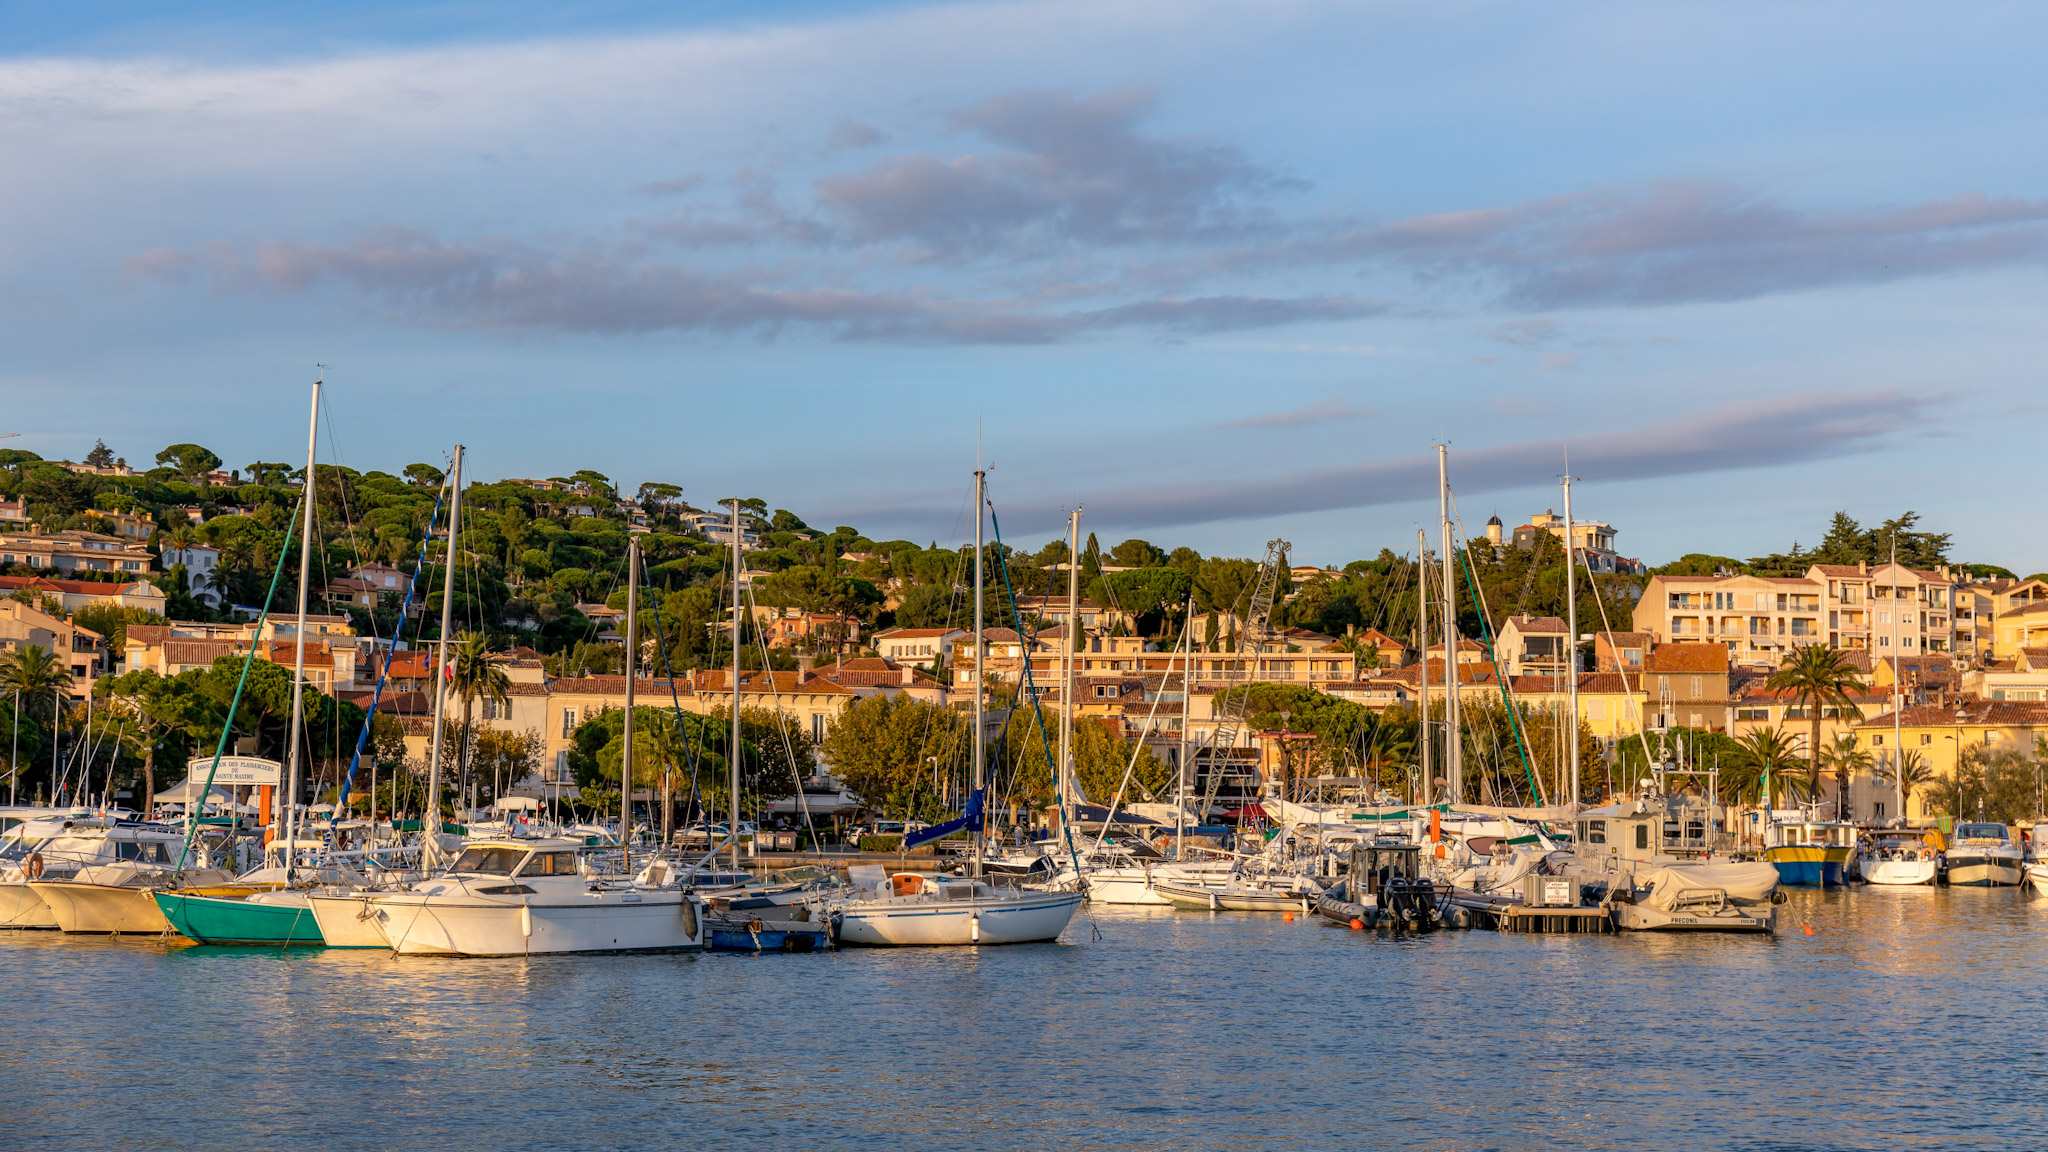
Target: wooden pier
[[1556, 921]]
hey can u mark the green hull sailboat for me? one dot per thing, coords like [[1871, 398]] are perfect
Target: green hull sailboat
[[267, 918]]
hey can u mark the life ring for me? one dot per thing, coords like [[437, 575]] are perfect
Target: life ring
[[34, 866]]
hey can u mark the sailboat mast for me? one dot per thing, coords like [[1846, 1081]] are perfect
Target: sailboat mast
[[632, 674], [291, 786], [1898, 679], [430, 826], [980, 668], [1422, 643], [1571, 645], [734, 759], [1072, 640], [1454, 760]]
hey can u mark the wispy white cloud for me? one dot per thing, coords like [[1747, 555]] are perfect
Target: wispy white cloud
[[1327, 410]]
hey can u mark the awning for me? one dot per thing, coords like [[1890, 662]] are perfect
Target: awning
[[188, 791]]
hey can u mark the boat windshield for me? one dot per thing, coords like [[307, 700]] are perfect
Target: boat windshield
[[489, 861], [1981, 832]]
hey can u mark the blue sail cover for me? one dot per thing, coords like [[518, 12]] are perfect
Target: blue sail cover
[[969, 821]]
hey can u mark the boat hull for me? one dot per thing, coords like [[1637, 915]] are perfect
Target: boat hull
[[347, 921], [220, 920], [1898, 872], [20, 908], [1810, 865], [755, 935], [101, 908], [1030, 919], [2037, 875], [1124, 886], [1213, 898], [1984, 871], [416, 925], [1647, 918]]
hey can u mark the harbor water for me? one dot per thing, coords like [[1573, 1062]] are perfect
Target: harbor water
[[1908, 1018]]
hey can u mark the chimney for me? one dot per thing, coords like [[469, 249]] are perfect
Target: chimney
[[1863, 567], [804, 664]]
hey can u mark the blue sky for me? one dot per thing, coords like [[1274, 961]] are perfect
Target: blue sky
[[1216, 271]]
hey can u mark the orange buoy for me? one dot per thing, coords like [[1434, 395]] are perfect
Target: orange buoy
[[1287, 916], [1357, 925], [1807, 929]]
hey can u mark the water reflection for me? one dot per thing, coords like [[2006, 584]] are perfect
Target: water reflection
[[1899, 1023]]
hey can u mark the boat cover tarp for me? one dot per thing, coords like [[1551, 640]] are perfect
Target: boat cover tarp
[[1744, 883]]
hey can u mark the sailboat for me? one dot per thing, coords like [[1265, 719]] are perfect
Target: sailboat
[[533, 897], [279, 916], [913, 908]]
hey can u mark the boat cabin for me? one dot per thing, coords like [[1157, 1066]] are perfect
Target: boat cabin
[[1377, 864], [522, 859], [1982, 834], [1652, 828], [1810, 834]]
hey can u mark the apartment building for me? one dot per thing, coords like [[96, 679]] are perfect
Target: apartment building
[[73, 552], [1687, 685], [1940, 734], [79, 651], [1978, 605], [1534, 646], [1890, 610], [1757, 620], [71, 595], [920, 647]]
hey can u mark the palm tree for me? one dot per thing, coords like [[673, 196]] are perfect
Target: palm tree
[[31, 674], [472, 673], [1912, 775], [1847, 758], [1761, 767], [1818, 677]]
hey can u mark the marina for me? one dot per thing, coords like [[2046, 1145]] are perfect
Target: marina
[[1345, 1033]]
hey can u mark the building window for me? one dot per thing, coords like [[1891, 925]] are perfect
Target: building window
[[1926, 739], [1698, 687], [817, 727], [568, 722]]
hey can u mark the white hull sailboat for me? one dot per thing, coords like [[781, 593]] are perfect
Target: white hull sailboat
[[529, 898], [347, 921], [916, 909]]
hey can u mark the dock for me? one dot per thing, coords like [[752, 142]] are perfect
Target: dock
[[1556, 921]]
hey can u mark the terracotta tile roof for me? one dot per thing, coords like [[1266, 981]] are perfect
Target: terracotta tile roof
[[714, 681], [198, 651], [614, 686], [148, 635], [1978, 713], [1839, 570], [1379, 639], [2032, 609], [68, 587], [1627, 639], [1682, 658], [1611, 684], [1538, 625], [918, 633]]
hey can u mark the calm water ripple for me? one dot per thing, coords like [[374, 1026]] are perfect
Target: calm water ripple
[[1912, 1018]]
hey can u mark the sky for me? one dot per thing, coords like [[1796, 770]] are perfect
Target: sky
[[1217, 272]]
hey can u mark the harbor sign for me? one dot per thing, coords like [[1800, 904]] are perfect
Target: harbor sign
[[236, 770]]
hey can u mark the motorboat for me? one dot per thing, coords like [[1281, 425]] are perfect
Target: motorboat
[[1902, 857], [26, 854], [1983, 856], [531, 897], [112, 868], [1242, 893], [2037, 875], [912, 908], [1722, 897], [1811, 852]]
